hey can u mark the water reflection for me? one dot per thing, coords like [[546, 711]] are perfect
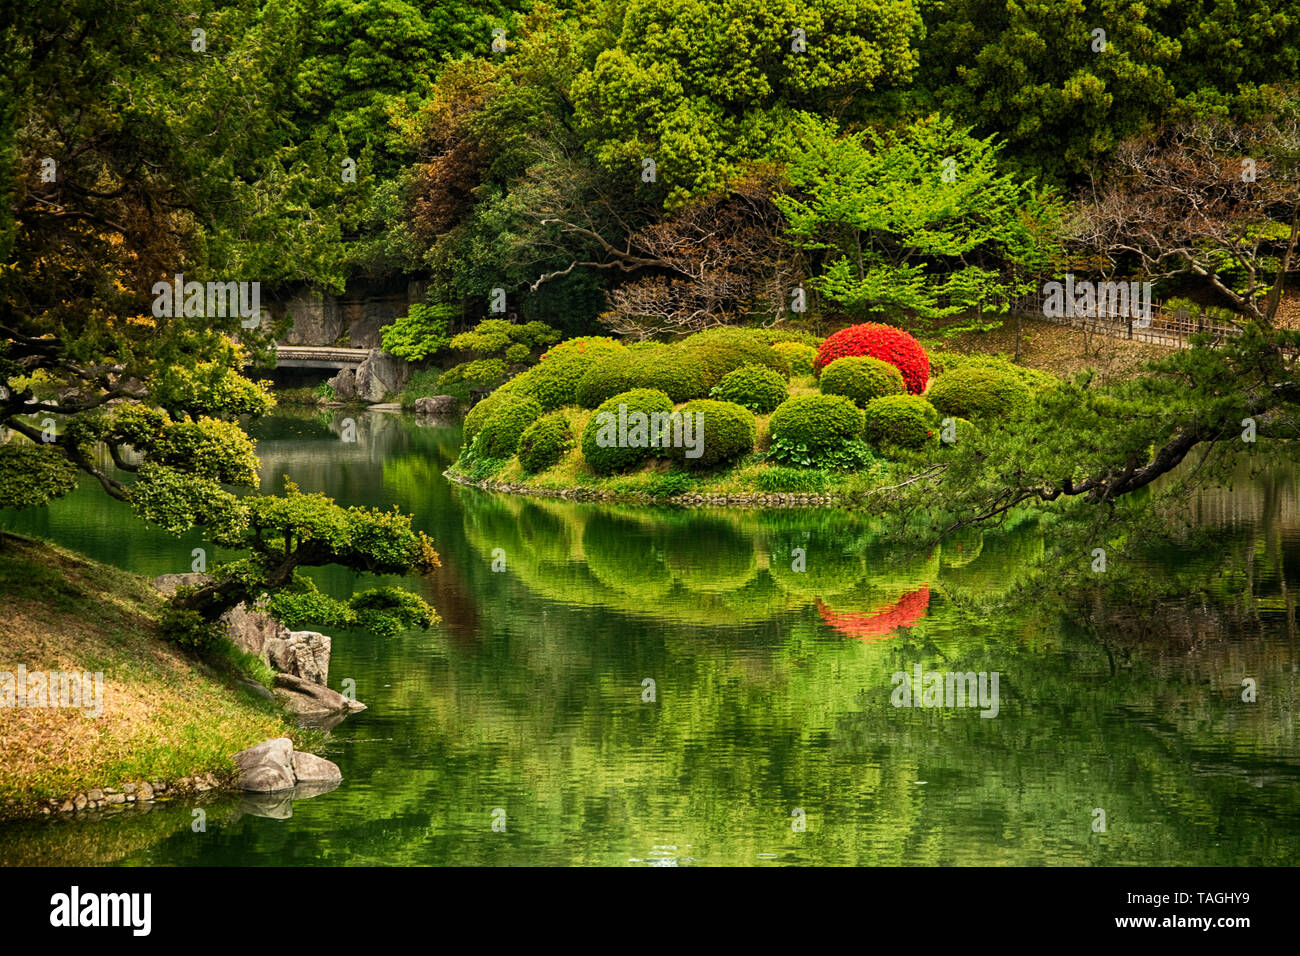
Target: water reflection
[[770, 639]]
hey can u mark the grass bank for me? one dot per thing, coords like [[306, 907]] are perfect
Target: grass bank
[[164, 716]]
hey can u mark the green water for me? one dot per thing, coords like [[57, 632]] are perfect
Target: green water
[[772, 691]]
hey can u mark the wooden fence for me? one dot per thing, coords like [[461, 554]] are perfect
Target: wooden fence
[[1169, 327]]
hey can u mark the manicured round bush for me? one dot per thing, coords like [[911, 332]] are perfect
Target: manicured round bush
[[553, 382], [802, 358], [500, 434], [608, 451], [862, 379], [883, 342], [757, 388], [726, 348], [908, 421], [977, 392], [818, 422], [477, 415], [677, 373], [944, 362], [544, 443], [721, 432]]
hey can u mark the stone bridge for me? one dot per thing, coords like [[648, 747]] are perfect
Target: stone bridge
[[319, 356]]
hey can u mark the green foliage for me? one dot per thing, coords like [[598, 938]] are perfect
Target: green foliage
[[725, 348], [941, 362], [800, 356], [189, 629], [728, 432], [500, 348], [33, 475], [477, 415], [671, 485], [705, 101], [786, 336], [544, 443], [791, 480], [600, 447], [385, 611], [503, 427], [880, 249], [819, 423], [755, 387], [906, 421], [553, 382], [673, 370], [862, 379], [979, 392], [421, 333]]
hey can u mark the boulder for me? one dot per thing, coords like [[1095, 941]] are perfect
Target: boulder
[[380, 375], [437, 406], [169, 583], [304, 654], [312, 700], [344, 385], [252, 629], [266, 767], [308, 768]]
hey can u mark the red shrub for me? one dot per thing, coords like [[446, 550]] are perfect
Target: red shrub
[[882, 342]]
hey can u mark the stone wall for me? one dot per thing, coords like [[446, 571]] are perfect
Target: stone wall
[[353, 319]]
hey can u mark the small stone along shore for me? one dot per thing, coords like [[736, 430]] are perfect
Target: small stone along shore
[[142, 791], [745, 500]]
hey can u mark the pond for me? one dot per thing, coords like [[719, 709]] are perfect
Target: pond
[[633, 686]]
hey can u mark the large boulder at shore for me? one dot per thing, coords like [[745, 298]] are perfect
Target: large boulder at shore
[[250, 629], [273, 766], [304, 654], [437, 406], [312, 700], [308, 768], [380, 375], [344, 385], [266, 767]]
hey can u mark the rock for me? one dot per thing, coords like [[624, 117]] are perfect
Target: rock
[[316, 319], [308, 768], [95, 796], [67, 807], [79, 801], [304, 654], [312, 700], [437, 406], [266, 767], [254, 688], [344, 385], [251, 628], [128, 788], [380, 375], [168, 583], [115, 798], [387, 407], [144, 791]]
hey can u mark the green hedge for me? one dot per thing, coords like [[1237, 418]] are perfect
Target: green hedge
[[725, 349], [544, 443], [802, 358], [609, 458], [477, 415], [977, 392], [677, 373], [757, 388], [908, 421], [553, 382], [862, 379], [820, 423], [942, 362], [729, 431], [504, 425]]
